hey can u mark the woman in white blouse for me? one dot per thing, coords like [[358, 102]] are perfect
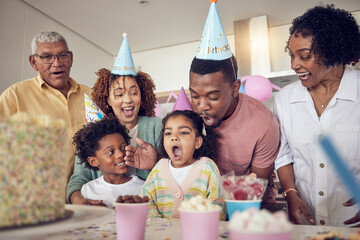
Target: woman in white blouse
[[326, 101]]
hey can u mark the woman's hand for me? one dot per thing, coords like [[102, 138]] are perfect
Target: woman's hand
[[77, 198], [144, 157], [296, 207], [354, 219]]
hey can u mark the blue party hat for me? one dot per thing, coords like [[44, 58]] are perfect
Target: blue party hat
[[124, 64], [213, 44]]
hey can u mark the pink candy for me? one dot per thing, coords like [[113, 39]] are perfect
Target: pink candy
[[244, 187]]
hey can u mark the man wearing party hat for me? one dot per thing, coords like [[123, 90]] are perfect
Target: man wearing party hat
[[129, 96], [250, 133]]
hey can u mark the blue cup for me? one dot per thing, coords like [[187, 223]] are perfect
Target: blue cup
[[240, 205]]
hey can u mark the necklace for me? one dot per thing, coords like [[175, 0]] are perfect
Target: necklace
[[318, 99], [327, 100]]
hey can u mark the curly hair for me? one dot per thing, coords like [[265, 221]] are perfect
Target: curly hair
[[227, 66], [210, 146], [105, 79], [335, 34], [87, 138]]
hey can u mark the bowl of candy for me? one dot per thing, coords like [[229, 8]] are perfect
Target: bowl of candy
[[258, 224], [242, 192]]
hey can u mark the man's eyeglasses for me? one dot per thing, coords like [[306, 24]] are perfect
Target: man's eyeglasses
[[49, 58]]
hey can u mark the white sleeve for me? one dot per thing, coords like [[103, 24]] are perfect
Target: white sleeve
[[84, 191], [284, 156]]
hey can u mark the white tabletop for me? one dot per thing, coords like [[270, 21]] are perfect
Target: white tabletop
[[89, 222]]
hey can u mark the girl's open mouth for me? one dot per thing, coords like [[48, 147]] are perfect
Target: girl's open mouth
[[176, 152]]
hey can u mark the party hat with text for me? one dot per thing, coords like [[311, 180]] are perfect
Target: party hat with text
[[213, 44], [182, 102], [124, 64], [92, 112]]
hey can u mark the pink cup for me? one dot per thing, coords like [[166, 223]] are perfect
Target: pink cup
[[199, 225], [131, 220]]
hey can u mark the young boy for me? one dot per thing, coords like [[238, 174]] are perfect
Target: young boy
[[101, 146]]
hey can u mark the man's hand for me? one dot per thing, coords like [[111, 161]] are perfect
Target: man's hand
[[77, 198], [144, 157], [297, 206], [354, 219]]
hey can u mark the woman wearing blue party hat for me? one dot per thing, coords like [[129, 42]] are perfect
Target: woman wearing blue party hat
[[129, 96]]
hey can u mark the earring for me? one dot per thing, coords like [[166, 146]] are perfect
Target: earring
[[204, 130]]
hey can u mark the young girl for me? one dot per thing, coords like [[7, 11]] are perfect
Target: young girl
[[101, 145], [186, 169]]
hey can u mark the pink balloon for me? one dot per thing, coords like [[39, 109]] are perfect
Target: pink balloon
[[258, 87]]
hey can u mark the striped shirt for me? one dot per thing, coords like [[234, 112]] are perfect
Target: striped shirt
[[166, 195]]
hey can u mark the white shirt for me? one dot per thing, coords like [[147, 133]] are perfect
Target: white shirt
[[315, 179], [180, 174], [98, 189]]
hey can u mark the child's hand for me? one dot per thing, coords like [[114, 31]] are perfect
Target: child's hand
[[94, 202], [143, 157], [77, 198]]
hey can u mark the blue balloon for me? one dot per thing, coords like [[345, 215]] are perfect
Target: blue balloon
[[99, 115]]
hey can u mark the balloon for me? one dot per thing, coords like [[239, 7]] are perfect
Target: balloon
[[258, 87]]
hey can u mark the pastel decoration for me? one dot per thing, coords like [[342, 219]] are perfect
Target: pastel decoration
[[343, 170], [157, 109], [124, 64], [172, 94], [258, 87], [213, 43], [182, 102], [92, 112]]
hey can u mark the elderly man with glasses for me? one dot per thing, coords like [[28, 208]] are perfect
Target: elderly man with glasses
[[53, 92]]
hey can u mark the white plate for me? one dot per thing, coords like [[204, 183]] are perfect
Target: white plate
[[83, 215]]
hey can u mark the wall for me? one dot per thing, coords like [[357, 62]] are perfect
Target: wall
[[19, 23], [168, 66]]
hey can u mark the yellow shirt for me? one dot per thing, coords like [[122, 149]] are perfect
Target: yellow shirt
[[35, 97]]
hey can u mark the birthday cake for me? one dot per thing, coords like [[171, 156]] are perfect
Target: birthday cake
[[33, 170]]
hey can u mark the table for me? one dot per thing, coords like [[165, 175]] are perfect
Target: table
[[89, 223]]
